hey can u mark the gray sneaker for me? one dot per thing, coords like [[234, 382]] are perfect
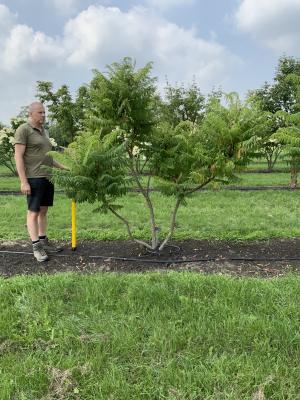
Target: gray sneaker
[[49, 246], [39, 252]]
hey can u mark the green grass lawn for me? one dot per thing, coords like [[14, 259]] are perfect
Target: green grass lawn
[[263, 179], [9, 183], [261, 164], [154, 336], [220, 215], [4, 170]]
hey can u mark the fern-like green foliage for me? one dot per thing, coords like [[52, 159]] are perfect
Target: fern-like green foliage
[[98, 170], [195, 154], [123, 98], [289, 137]]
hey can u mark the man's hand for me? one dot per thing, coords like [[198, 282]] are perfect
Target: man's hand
[[57, 164], [25, 188]]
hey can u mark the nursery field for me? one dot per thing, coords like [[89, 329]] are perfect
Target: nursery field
[[201, 324]]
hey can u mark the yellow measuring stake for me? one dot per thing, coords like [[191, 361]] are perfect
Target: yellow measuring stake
[[74, 242]]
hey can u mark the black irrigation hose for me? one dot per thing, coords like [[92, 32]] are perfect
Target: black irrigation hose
[[156, 261], [265, 171], [257, 188], [18, 193]]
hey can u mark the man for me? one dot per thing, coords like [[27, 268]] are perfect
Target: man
[[31, 147]]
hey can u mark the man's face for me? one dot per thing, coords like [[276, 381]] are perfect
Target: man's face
[[37, 115]]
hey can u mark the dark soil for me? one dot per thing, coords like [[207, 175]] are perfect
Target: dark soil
[[269, 258]]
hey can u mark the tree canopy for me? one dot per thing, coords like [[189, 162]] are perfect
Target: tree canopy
[[124, 145]]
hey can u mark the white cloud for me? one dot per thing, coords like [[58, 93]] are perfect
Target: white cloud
[[26, 56], [167, 4], [24, 47], [99, 36], [7, 20], [273, 22], [64, 6]]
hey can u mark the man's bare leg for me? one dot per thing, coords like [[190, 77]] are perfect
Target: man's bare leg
[[32, 225], [42, 221]]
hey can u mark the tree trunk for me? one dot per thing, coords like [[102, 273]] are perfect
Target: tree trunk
[[270, 164], [172, 224], [124, 220], [294, 173], [272, 157], [145, 193]]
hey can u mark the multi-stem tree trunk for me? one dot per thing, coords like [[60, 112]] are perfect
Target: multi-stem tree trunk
[[155, 243], [272, 156], [270, 164], [145, 193], [294, 175]]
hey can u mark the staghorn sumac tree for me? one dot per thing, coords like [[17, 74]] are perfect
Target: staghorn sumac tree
[[124, 145]]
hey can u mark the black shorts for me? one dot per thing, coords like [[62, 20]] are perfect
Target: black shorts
[[42, 193]]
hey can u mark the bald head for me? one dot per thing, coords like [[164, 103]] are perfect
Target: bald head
[[34, 105], [36, 113]]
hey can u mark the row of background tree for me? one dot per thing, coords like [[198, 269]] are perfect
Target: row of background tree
[[180, 103], [277, 100]]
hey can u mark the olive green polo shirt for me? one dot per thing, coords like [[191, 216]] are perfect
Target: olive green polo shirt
[[35, 155]]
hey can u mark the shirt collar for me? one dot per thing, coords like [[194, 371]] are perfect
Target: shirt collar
[[36, 129]]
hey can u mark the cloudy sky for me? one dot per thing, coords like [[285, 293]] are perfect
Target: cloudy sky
[[232, 44]]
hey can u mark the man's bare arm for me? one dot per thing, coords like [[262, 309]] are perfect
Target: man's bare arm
[[56, 164], [19, 158]]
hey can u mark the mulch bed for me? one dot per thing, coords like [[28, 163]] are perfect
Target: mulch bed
[[270, 258]]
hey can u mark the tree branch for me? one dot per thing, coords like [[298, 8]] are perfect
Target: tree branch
[[199, 187], [172, 224], [128, 229], [145, 193]]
